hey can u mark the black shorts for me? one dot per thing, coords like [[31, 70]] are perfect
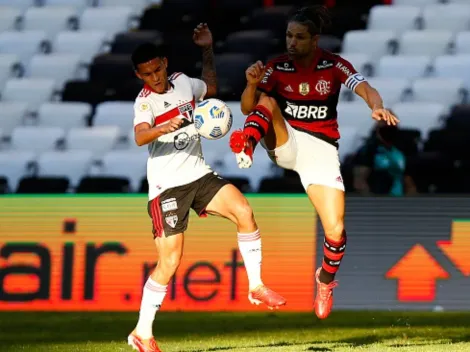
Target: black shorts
[[170, 210]]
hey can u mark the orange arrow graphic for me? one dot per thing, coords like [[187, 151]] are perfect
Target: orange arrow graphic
[[458, 248], [417, 272]]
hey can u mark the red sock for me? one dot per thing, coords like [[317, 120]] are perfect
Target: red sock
[[257, 123], [333, 254]]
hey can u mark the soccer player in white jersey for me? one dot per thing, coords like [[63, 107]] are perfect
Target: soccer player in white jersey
[[179, 179]]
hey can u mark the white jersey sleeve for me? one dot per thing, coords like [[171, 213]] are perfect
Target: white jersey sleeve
[[143, 112], [199, 88]]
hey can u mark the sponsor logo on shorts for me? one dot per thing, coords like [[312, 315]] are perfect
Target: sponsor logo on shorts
[[169, 204], [171, 219]]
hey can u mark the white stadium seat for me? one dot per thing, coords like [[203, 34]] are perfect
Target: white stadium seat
[[449, 17], [128, 164], [137, 5], [396, 18], [21, 5], [447, 91], [24, 43], [373, 43], [361, 62], [99, 140], [87, 44], [453, 66], [59, 67], [420, 3], [428, 42], [392, 90], [30, 90], [36, 139], [349, 141], [49, 19], [421, 116], [115, 113], [109, 19], [66, 115], [10, 67], [462, 43], [12, 115], [465, 2], [9, 16], [79, 5], [355, 114], [13, 166], [70, 164], [404, 66]]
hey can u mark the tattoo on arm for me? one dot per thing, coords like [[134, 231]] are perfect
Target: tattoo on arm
[[208, 69]]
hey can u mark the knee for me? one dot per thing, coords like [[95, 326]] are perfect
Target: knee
[[335, 230], [243, 214], [170, 262]]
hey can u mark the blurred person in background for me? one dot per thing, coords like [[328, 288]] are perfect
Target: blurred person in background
[[380, 167]]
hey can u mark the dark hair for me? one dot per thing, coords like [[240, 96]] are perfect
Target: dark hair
[[146, 52], [316, 17]]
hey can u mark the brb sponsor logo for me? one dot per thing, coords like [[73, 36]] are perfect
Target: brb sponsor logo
[[304, 112]]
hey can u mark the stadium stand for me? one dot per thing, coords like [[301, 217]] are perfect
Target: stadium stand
[[67, 86]]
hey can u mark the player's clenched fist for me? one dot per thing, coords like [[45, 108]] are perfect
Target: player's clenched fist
[[172, 125], [254, 73]]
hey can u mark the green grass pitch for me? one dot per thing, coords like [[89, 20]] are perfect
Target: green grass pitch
[[257, 332]]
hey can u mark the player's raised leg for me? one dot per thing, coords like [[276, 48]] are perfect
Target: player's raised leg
[[329, 204], [230, 203], [265, 121]]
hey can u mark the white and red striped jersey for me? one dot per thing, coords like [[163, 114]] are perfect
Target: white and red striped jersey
[[175, 159]]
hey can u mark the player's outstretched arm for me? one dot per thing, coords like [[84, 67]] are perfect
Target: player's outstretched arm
[[372, 97], [145, 134], [249, 99], [203, 37]]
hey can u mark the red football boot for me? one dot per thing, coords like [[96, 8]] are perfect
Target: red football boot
[[263, 294], [142, 345], [324, 299], [243, 149]]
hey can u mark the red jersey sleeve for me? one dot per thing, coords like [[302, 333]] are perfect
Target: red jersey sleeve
[[347, 74], [268, 82]]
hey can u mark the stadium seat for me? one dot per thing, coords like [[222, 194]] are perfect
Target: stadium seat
[[79, 5], [24, 43], [125, 43], [10, 67], [137, 6], [462, 43], [64, 114], [36, 139], [447, 91], [230, 14], [273, 18], [72, 165], [259, 43], [21, 5], [111, 69], [128, 90], [363, 63], [13, 166], [9, 17], [87, 44], [12, 114], [33, 91], [230, 70], [453, 66], [430, 42], [395, 18], [373, 43], [51, 19], [420, 3], [42, 185], [404, 66], [99, 140], [348, 142], [59, 67], [447, 17], [330, 43], [85, 91], [392, 90], [421, 116], [355, 114], [131, 165], [96, 184], [115, 113], [108, 19]]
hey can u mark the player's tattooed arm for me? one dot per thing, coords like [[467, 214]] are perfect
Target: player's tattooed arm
[[208, 71]]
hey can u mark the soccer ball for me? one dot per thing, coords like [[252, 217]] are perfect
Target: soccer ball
[[212, 118]]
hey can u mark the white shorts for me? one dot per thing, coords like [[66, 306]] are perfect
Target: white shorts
[[316, 161]]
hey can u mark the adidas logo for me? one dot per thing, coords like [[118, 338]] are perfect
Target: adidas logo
[[288, 89], [165, 104]]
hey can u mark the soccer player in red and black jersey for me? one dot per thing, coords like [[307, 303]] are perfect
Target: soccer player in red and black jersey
[[291, 106]]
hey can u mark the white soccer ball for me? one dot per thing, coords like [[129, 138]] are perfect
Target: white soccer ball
[[212, 118]]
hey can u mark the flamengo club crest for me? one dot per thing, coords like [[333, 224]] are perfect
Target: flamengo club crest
[[304, 88], [322, 87]]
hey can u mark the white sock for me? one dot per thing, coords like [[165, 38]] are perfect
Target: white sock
[[152, 299], [250, 248]]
